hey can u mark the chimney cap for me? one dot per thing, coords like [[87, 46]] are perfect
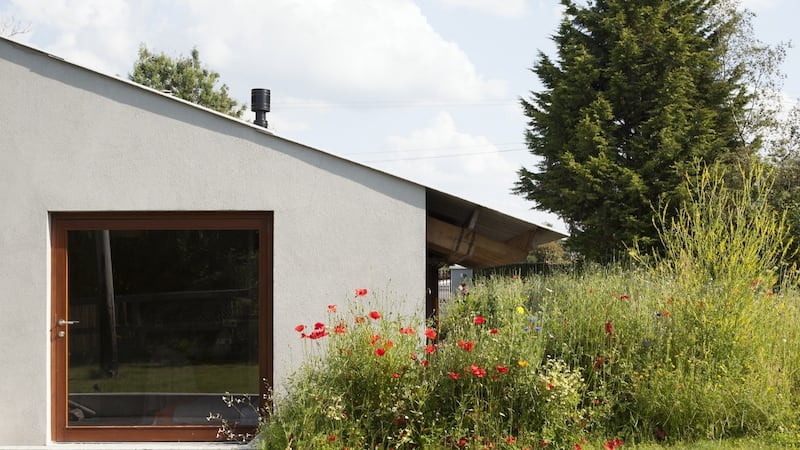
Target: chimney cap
[[259, 103]]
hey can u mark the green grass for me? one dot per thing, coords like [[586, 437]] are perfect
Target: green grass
[[692, 348], [726, 444], [200, 378]]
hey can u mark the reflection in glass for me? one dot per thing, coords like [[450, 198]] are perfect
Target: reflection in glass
[[167, 323]]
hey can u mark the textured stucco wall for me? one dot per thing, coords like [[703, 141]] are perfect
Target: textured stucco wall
[[72, 140]]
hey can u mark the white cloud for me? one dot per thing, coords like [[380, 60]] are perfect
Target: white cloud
[[755, 5], [485, 177], [505, 8], [355, 48], [94, 33]]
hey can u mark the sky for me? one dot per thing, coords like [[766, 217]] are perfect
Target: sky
[[428, 90]]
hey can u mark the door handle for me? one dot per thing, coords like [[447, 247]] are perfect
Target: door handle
[[62, 322]]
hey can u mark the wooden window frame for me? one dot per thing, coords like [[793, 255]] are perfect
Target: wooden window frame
[[63, 222]]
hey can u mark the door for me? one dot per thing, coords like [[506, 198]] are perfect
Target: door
[[159, 321]]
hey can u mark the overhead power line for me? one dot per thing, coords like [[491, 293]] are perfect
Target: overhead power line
[[391, 104], [452, 155], [508, 145]]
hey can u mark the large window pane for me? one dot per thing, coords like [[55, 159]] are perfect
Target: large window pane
[[167, 322]]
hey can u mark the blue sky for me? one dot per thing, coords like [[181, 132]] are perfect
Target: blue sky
[[427, 90]]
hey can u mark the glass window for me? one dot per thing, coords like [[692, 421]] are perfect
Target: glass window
[[159, 319]]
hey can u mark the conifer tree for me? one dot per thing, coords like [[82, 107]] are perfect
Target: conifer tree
[[637, 93]]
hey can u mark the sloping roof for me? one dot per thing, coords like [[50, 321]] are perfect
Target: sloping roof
[[472, 235], [458, 230]]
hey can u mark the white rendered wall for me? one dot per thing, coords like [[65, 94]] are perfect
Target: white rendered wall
[[72, 140]]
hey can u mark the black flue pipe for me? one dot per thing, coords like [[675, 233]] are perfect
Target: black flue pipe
[[259, 103]]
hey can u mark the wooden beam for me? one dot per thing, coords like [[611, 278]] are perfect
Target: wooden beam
[[465, 245], [473, 219], [524, 240]]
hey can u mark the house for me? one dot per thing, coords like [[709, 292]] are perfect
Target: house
[[155, 254]]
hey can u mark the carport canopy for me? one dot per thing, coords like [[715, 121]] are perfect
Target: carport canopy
[[465, 233]]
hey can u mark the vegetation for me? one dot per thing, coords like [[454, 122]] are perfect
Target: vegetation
[[140, 377], [693, 345], [638, 93], [185, 78]]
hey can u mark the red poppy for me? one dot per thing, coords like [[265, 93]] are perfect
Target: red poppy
[[375, 338], [624, 297], [454, 375], [407, 330], [413, 356], [430, 349], [300, 328], [550, 386], [598, 363], [493, 331], [462, 442], [477, 371], [332, 308], [340, 329], [360, 319], [331, 437], [430, 333], [543, 443], [502, 369], [612, 444], [479, 320], [510, 440], [361, 292], [389, 344], [577, 447], [395, 375], [374, 315], [467, 347], [316, 334], [423, 363], [380, 351], [319, 326], [610, 328]]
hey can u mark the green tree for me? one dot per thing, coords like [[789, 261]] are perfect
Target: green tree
[[638, 93], [185, 78], [784, 155]]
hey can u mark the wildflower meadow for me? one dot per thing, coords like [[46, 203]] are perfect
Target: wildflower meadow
[[700, 342]]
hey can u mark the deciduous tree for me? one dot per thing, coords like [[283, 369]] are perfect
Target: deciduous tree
[[185, 78]]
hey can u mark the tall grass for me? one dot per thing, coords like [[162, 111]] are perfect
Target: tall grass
[[699, 342]]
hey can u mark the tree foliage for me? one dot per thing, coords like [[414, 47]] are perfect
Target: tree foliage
[[185, 78], [638, 93]]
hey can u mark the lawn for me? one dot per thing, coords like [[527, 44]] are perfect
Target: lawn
[[197, 378]]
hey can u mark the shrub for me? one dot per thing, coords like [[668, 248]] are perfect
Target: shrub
[[698, 342]]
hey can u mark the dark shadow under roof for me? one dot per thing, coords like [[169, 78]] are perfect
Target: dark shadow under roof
[[465, 233]]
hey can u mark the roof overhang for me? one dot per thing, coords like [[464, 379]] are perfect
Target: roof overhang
[[465, 233]]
